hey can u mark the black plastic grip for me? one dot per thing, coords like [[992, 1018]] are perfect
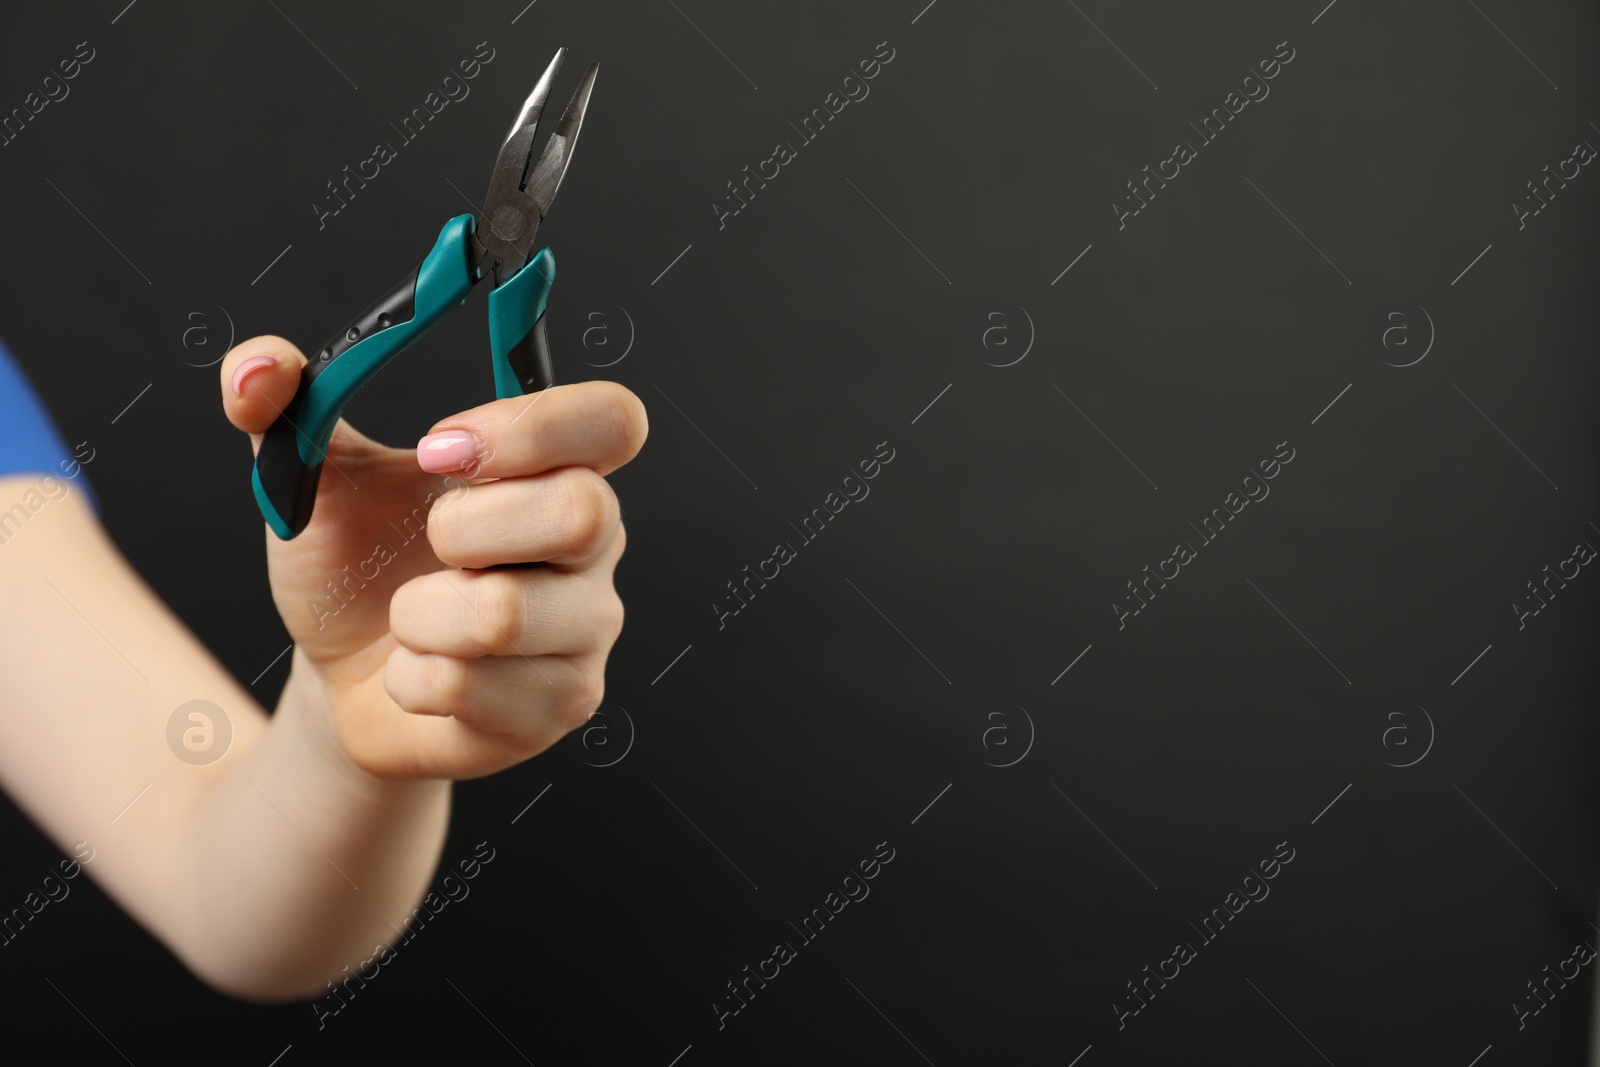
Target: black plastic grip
[[530, 359], [398, 305], [285, 481]]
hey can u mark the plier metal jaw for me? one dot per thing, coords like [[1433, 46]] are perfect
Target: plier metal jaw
[[289, 462]]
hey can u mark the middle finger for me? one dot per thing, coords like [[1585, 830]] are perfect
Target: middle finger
[[569, 517], [535, 612]]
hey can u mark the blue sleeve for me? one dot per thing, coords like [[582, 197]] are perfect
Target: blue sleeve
[[29, 440]]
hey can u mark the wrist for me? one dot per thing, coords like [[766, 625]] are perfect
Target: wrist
[[305, 712]]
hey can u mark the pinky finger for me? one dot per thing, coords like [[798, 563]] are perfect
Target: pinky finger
[[529, 703]]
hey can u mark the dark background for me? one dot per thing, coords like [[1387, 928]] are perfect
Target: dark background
[[1259, 688]]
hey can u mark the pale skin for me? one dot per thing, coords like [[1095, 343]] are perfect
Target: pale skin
[[300, 851]]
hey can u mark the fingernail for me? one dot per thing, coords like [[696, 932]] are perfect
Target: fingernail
[[451, 450], [248, 367]]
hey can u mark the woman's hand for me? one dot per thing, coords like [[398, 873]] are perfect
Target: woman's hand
[[427, 670]]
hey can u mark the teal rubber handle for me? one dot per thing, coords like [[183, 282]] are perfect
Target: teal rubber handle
[[443, 282], [517, 342], [289, 463]]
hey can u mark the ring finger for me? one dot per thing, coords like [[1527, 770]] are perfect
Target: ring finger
[[522, 612]]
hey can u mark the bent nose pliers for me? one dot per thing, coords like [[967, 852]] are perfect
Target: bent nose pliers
[[288, 464]]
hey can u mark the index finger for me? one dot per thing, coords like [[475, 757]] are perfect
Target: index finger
[[599, 425]]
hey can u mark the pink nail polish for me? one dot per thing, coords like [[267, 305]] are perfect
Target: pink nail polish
[[451, 450], [248, 367]]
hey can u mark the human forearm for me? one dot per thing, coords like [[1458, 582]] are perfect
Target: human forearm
[[297, 863], [203, 854]]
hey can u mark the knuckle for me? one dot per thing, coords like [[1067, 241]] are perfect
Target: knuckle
[[585, 699], [408, 605], [638, 423], [447, 682], [402, 604], [498, 614], [588, 509], [445, 528], [626, 424], [612, 615], [395, 678]]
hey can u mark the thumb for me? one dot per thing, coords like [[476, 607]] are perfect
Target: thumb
[[259, 379]]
